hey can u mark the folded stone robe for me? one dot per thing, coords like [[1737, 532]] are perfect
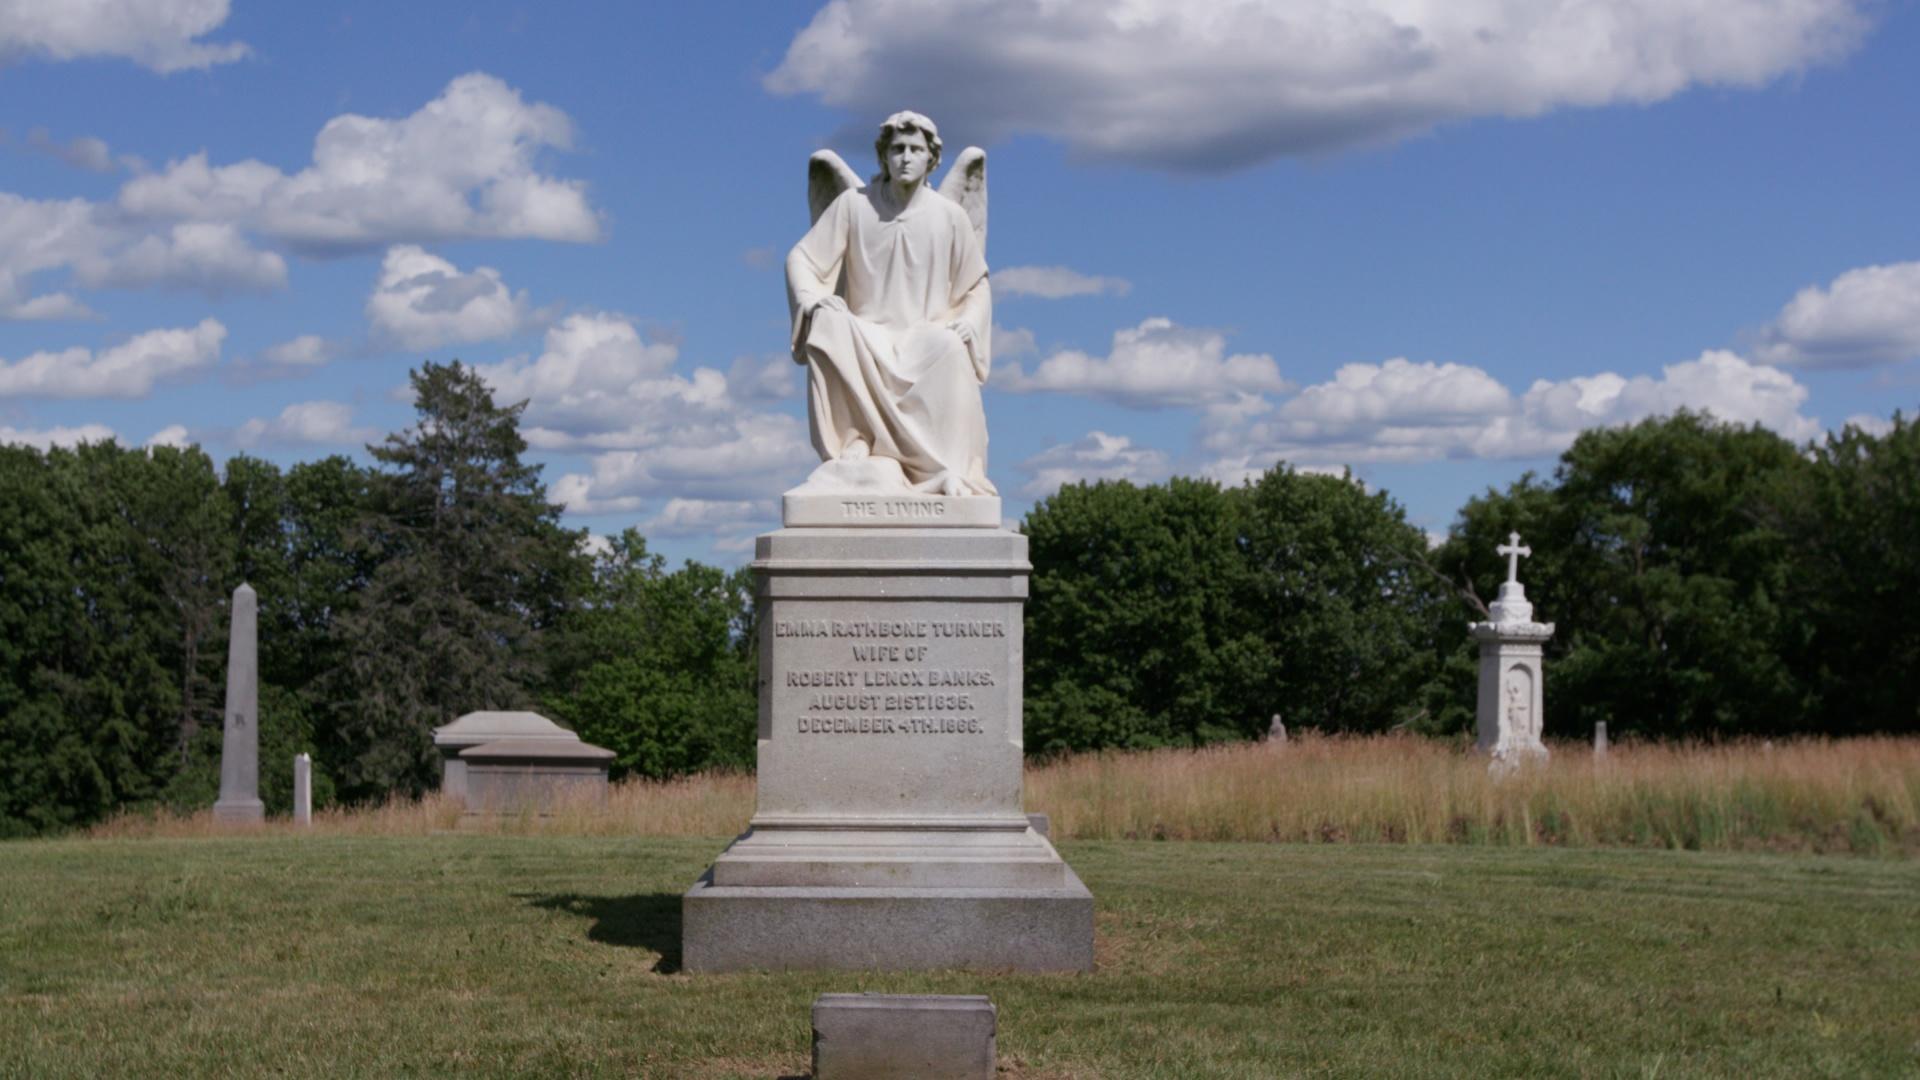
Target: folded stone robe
[[885, 369]]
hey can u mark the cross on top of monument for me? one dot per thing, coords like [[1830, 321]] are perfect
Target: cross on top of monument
[[1512, 550]]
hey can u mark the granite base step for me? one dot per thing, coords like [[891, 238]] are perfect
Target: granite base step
[[823, 928]]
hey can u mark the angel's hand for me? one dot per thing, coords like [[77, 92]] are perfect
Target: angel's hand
[[965, 332]]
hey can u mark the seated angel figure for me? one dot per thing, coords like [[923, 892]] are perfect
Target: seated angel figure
[[893, 317]]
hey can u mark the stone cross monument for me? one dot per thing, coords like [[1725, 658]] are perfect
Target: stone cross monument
[[889, 831], [1509, 715], [239, 802]]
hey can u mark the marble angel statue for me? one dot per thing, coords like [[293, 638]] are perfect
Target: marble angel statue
[[893, 318]]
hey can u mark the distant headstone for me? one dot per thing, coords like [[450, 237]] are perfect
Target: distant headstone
[[302, 789], [903, 1037], [534, 776], [239, 802], [478, 729], [1600, 738], [1277, 731], [1508, 717]]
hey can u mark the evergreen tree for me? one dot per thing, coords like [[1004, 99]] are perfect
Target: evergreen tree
[[112, 568], [469, 569]]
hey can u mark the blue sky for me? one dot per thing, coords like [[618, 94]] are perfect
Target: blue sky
[[1429, 242]]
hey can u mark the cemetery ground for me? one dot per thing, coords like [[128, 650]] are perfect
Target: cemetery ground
[[495, 955], [1384, 909]]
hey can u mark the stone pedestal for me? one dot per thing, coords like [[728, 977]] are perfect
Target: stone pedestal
[[239, 802], [889, 832], [1511, 701]]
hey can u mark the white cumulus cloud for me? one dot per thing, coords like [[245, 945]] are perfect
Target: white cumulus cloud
[[710, 517], [597, 377], [1208, 86], [38, 235], [764, 378], [1094, 456], [1403, 411], [755, 457], [306, 423], [1876, 426], [463, 165], [128, 370], [103, 250], [1055, 283], [46, 438], [174, 435], [208, 256], [1397, 393], [422, 301], [1862, 318], [1152, 365], [1009, 342], [305, 351], [162, 35], [47, 307], [87, 152], [599, 386]]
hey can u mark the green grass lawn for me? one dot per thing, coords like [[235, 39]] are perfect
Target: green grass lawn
[[495, 955]]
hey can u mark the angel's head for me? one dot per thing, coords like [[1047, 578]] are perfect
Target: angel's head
[[905, 125]]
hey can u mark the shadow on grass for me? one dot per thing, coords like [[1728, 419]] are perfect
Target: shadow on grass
[[647, 921]]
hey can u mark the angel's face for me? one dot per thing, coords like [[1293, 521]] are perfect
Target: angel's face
[[907, 158]]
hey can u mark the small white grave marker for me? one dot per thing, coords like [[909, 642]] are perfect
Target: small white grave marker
[[302, 789]]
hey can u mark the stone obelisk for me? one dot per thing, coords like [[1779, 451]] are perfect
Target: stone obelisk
[[240, 751]]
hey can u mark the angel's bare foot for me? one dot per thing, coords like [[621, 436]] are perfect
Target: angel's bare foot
[[854, 450], [951, 486]]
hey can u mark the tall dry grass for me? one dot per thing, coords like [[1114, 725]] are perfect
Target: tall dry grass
[[711, 804], [1855, 795], [1860, 795]]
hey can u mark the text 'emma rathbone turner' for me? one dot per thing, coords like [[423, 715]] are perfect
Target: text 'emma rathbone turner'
[[890, 628]]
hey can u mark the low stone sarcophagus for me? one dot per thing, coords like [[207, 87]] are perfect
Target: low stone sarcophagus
[[518, 762], [534, 776]]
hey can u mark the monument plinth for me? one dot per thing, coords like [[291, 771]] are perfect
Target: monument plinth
[[889, 831], [1511, 698]]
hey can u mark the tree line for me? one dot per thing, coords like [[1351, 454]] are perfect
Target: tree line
[[1708, 580]]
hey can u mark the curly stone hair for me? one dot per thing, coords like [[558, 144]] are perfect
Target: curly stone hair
[[906, 121]]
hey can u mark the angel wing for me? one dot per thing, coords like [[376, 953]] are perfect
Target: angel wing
[[827, 177], [966, 184]]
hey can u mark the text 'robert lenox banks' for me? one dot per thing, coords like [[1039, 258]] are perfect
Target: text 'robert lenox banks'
[[858, 656]]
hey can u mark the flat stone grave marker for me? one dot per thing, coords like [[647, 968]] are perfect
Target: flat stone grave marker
[[903, 1037]]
